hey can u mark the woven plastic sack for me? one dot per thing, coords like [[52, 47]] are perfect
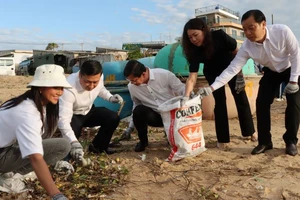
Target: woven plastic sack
[[183, 126]]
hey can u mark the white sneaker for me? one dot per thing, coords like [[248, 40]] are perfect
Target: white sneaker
[[11, 184]]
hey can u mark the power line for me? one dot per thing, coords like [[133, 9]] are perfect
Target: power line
[[34, 43]]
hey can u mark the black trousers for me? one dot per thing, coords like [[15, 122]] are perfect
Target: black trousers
[[267, 89], [98, 116], [142, 118], [221, 115]]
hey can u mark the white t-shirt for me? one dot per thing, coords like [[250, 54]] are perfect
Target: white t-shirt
[[22, 123]]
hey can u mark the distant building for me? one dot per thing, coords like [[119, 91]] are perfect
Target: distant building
[[67, 59], [220, 17], [150, 48], [119, 54], [18, 55]]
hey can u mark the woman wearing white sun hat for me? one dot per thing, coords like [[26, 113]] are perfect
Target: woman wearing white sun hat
[[27, 122]]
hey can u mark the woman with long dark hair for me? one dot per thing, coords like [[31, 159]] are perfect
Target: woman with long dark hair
[[27, 123], [216, 49]]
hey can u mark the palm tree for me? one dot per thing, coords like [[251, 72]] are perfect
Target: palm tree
[[52, 46]]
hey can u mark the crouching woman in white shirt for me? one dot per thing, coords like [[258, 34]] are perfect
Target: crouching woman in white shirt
[[27, 123]]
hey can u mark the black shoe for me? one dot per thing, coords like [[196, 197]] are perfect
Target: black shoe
[[115, 144], [291, 149], [140, 147], [109, 151], [261, 148], [94, 149]]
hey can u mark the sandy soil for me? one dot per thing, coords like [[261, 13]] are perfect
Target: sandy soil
[[214, 174]]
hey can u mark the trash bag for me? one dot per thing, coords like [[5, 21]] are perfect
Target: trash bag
[[183, 126]]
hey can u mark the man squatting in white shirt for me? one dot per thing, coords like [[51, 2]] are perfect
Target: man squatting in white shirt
[[77, 110], [149, 88]]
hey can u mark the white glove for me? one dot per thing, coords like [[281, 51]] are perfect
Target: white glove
[[116, 99], [76, 151], [204, 91], [291, 88], [64, 166], [183, 101], [239, 84], [59, 196]]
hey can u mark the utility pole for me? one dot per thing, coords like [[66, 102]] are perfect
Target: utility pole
[[272, 18], [81, 46], [62, 46]]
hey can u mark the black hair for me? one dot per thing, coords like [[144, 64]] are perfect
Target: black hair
[[134, 68], [35, 96], [189, 49], [258, 16], [90, 68]]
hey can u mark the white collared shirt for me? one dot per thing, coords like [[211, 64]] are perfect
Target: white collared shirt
[[22, 123], [278, 52], [77, 101], [162, 86]]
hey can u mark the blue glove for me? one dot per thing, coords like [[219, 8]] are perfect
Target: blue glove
[[291, 88], [239, 84]]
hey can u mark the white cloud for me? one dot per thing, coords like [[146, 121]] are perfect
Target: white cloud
[[150, 17], [166, 17]]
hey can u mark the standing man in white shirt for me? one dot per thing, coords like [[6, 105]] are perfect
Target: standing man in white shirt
[[77, 110], [149, 88], [275, 47]]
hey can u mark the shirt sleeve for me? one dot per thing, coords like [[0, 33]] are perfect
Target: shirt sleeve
[[292, 46], [135, 100], [104, 93], [175, 84], [234, 68], [194, 66], [66, 102], [29, 135]]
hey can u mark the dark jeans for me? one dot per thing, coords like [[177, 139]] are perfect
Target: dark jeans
[[221, 115], [267, 88], [98, 116], [11, 160], [144, 117]]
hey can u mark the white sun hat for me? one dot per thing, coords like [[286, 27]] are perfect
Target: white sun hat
[[49, 75]]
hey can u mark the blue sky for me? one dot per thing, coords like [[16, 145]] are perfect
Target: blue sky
[[31, 24]]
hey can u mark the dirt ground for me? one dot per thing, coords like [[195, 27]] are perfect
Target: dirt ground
[[233, 174]]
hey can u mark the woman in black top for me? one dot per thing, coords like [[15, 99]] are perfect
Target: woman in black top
[[216, 49]]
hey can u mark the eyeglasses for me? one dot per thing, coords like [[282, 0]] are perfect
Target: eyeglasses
[[134, 80]]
